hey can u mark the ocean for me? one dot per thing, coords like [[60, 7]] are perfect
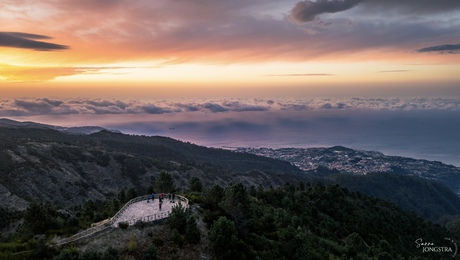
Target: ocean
[[433, 135]]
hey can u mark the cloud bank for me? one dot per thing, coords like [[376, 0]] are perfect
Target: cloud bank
[[46, 106]]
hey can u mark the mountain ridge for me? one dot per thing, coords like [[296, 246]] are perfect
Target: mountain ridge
[[47, 165], [5, 122]]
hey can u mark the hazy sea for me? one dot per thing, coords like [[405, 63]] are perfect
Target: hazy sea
[[431, 135]]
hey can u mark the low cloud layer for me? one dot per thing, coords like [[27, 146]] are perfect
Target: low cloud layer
[[28, 41], [46, 106]]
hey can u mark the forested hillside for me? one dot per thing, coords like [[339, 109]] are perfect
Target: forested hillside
[[429, 199], [312, 221]]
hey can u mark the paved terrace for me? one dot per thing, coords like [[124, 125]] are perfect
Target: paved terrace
[[145, 211], [137, 209]]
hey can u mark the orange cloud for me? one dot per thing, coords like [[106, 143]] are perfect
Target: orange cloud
[[39, 74]]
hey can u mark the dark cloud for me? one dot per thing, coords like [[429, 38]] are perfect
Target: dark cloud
[[27, 41], [241, 107], [446, 48], [187, 107], [152, 109], [341, 105], [413, 6], [290, 106], [107, 103], [28, 35], [55, 103], [34, 106], [326, 106], [306, 11], [213, 107]]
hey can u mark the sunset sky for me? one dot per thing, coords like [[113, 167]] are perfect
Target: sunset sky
[[369, 74], [183, 48]]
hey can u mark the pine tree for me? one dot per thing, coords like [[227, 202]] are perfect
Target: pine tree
[[195, 184], [178, 219], [224, 238], [164, 183], [192, 234]]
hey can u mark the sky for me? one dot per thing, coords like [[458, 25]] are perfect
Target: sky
[[242, 72], [138, 48]]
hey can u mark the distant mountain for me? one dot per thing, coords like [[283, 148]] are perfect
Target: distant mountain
[[72, 130], [340, 159]]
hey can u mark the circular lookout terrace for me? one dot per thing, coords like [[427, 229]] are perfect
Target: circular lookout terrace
[[137, 209]]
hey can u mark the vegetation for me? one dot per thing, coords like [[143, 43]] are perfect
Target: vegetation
[[164, 183], [195, 184], [224, 239], [312, 221], [429, 199], [7, 217]]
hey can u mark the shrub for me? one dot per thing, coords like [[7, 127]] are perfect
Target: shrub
[[123, 225], [140, 224], [150, 253], [177, 238]]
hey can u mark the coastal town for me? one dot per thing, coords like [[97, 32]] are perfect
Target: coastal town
[[346, 160]]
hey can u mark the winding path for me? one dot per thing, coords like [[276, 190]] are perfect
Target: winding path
[[137, 209]]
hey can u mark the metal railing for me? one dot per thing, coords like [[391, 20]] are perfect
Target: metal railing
[[108, 225], [183, 201]]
